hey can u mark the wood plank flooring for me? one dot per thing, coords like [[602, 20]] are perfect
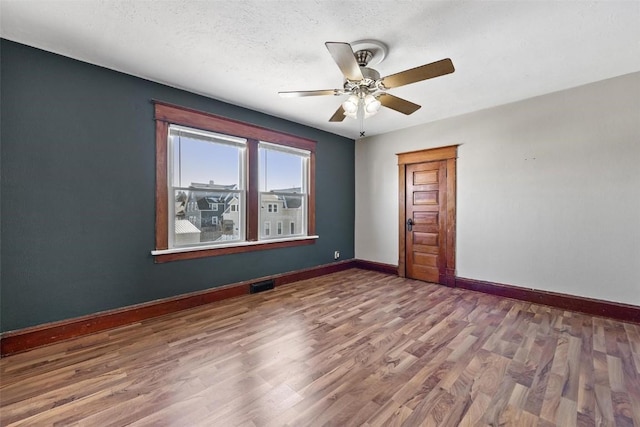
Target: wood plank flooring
[[355, 348]]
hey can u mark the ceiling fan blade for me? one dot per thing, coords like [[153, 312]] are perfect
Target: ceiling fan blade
[[346, 60], [398, 104], [424, 72], [299, 93], [338, 116]]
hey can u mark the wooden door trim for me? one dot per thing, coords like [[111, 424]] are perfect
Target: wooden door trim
[[450, 154], [430, 155]]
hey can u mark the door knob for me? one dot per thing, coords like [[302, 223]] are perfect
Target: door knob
[[409, 224]]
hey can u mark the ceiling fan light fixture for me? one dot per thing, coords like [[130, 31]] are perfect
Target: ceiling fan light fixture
[[350, 106], [371, 105]]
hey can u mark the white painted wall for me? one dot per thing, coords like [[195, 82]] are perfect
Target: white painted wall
[[548, 191]]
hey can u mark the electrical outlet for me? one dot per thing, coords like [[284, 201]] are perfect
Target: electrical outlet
[[336, 255]]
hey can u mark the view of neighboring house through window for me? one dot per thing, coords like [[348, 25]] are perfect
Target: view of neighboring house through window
[[283, 181], [207, 179]]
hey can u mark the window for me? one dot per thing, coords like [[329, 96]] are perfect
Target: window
[[205, 169], [283, 183], [227, 177]]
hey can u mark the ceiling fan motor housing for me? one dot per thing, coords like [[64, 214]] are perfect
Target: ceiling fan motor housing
[[370, 74]]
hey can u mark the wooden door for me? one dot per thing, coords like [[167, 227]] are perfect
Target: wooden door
[[427, 196], [425, 221]]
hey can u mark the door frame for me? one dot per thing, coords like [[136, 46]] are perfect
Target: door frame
[[450, 154]]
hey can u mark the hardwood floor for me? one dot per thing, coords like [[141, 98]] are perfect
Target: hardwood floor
[[351, 348]]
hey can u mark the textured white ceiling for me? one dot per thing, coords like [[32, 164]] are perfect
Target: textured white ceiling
[[244, 52]]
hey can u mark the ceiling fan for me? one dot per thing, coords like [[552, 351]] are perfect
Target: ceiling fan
[[367, 90]]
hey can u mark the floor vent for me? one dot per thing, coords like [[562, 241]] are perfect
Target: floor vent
[[261, 286]]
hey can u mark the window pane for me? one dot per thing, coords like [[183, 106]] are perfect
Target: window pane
[[201, 162], [279, 210], [280, 171], [207, 217]]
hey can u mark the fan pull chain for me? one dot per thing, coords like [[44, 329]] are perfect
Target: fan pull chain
[[361, 116]]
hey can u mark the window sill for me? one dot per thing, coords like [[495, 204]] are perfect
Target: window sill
[[176, 254]]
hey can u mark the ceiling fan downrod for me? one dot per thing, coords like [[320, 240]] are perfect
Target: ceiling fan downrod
[[363, 57]]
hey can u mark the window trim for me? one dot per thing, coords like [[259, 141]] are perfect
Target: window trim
[[166, 114]]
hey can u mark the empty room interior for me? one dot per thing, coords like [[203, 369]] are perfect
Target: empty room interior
[[331, 213]]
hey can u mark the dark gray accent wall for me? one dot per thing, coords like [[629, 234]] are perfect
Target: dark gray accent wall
[[78, 183]]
